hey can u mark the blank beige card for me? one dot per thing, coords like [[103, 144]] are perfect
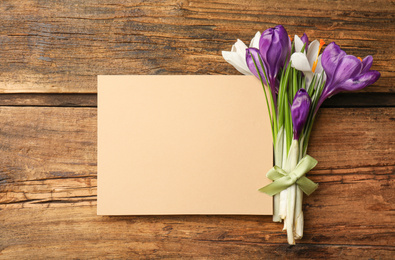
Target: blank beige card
[[170, 145]]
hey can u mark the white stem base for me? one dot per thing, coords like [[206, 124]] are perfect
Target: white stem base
[[290, 205]]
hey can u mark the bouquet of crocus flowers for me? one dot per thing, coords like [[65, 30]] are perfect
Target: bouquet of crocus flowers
[[296, 79]]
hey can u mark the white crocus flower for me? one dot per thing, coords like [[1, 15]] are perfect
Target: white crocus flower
[[237, 55], [308, 62]]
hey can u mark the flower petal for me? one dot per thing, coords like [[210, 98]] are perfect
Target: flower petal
[[239, 47], [274, 47], [360, 81], [348, 67], [273, 55], [312, 52], [305, 40], [265, 42], [300, 62], [309, 77], [318, 68], [236, 61], [285, 43], [255, 41], [298, 44], [367, 63], [330, 59], [254, 52]]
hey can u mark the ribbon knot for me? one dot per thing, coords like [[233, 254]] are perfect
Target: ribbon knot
[[293, 177], [282, 180]]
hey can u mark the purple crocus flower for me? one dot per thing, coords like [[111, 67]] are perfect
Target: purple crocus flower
[[345, 72], [305, 41], [274, 49], [300, 111]]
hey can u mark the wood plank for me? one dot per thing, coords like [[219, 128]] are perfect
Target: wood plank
[[48, 196], [76, 232], [353, 138], [44, 142], [60, 46], [41, 141]]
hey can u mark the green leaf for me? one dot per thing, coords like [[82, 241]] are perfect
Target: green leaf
[[304, 47], [264, 90]]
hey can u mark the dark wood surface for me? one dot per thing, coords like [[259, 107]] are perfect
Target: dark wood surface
[[51, 52]]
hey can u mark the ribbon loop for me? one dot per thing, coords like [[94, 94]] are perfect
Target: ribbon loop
[[282, 180], [275, 173]]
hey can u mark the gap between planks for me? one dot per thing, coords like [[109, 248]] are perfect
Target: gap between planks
[[343, 100]]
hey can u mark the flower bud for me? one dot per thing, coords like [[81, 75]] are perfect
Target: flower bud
[[300, 111]]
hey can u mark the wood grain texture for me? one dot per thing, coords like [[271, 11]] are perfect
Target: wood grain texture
[[50, 55], [78, 233], [48, 196], [60, 46]]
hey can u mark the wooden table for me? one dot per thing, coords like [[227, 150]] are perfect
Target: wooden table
[[51, 52]]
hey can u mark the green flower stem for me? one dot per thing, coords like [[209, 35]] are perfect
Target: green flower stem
[[274, 110], [285, 119], [288, 126], [315, 91], [281, 96], [283, 193], [290, 87], [295, 84], [278, 154], [311, 87], [267, 102], [310, 121]]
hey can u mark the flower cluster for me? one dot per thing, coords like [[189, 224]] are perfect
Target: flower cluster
[[296, 80]]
